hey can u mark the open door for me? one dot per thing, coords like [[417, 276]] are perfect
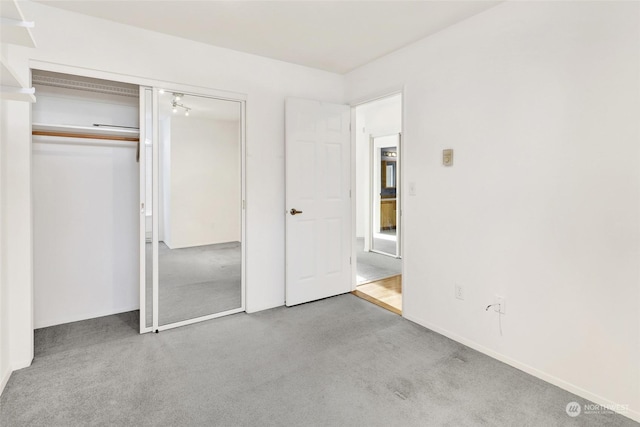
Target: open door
[[318, 224]]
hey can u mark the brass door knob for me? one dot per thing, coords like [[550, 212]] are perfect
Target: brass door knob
[[295, 212]]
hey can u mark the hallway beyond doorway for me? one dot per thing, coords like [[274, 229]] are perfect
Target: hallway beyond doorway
[[372, 266], [385, 293]]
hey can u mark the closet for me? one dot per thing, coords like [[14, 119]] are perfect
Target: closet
[[138, 202], [85, 198]]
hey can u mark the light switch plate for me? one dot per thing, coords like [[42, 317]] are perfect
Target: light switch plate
[[447, 157]]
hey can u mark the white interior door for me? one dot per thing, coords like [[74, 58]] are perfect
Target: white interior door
[[318, 224]]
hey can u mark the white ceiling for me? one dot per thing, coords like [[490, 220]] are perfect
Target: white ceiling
[[335, 36]]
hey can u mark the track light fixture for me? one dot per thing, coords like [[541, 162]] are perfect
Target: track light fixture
[[175, 104]]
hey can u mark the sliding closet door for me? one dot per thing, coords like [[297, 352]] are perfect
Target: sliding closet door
[[193, 235], [145, 158]]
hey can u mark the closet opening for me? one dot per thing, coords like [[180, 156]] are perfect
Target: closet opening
[[138, 212], [85, 198], [378, 160]]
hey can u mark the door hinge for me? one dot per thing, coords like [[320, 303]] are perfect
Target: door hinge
[[349, 126], [349, 260], [349, 193], [244, 204]]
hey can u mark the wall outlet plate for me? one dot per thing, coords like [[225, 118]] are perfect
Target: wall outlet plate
[[459, 291], [501, 304]]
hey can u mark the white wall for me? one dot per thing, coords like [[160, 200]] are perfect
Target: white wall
[[205, 181], [85, 232], [164, 177], [5, 367], [15, 223], [363, 177], [103, 46], [540, 101]]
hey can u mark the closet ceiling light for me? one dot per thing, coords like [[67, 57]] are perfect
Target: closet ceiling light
[[161, 91]]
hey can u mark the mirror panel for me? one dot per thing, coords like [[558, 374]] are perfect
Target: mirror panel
[[384, 225], [200, 202]]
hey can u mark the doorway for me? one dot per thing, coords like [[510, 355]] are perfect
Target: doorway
[[378, 231]]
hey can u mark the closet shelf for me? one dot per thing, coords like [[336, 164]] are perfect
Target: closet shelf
[[13, 87], [15, 29], [91, 132]]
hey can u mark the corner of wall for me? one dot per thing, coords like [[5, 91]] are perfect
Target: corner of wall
[[4, 379]]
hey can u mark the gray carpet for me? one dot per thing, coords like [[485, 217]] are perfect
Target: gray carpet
[[372, 266], [196, 281], [337, 362], [384, 245]]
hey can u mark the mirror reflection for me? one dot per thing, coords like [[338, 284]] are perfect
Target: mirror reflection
[[199, 215], [385, 202]]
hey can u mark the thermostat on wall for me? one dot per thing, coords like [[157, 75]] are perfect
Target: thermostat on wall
[[447, 157]]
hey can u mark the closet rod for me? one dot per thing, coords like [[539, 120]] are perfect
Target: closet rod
[[85, 136]]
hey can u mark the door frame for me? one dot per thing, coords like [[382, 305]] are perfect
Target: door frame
[[399, 90]]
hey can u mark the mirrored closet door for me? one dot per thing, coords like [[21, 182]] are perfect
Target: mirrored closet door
[[191, 211]]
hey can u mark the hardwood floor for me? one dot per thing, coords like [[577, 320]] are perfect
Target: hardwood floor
[[387, 293]]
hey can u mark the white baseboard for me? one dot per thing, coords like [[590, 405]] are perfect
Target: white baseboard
[[21, 365], [252, 309], [4, 380], [44, 323], [565, 385]]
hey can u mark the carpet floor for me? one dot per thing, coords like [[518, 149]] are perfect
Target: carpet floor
[[195, 281], [336, 362], [373, 266]]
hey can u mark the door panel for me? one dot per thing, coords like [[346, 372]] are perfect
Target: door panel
[[191, 208], [317, 184]]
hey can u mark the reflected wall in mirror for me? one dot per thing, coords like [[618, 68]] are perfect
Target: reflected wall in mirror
[[199, 207]]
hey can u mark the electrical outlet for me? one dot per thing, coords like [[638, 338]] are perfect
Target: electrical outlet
[[501, 304], [459, 291]]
